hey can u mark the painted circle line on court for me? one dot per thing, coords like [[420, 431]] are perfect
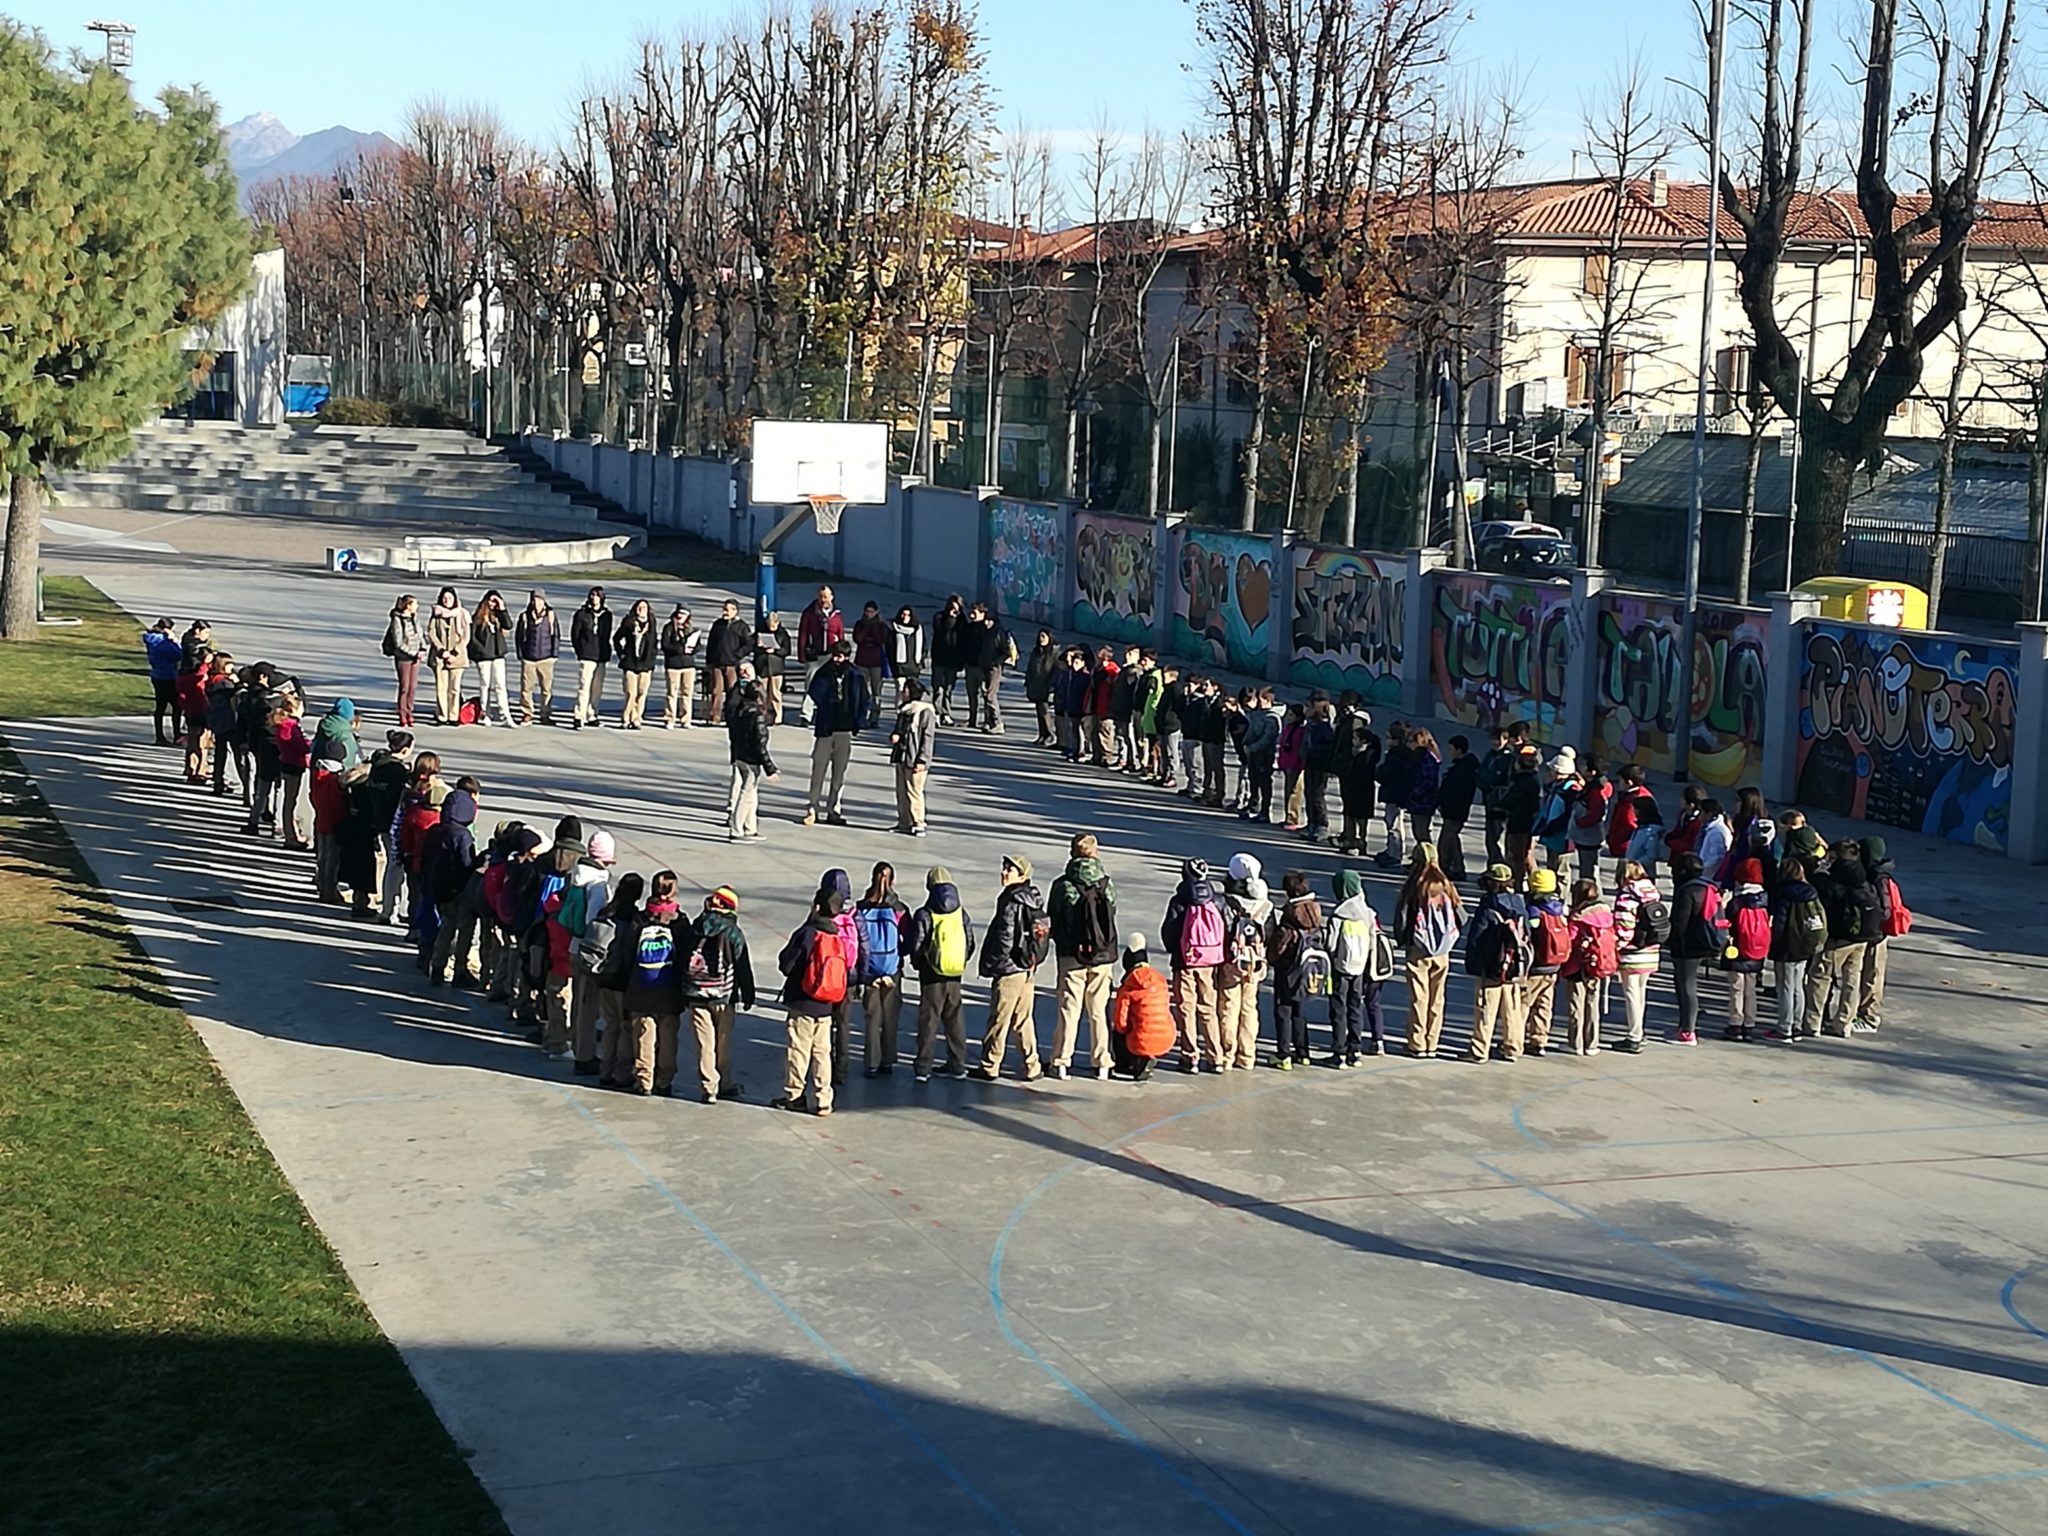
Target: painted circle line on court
[[2010, 1289]]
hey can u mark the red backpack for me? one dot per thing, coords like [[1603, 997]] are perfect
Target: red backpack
[[1550, 940], [1898, 917], [822, 978], [1594, 953], [1750, 933]]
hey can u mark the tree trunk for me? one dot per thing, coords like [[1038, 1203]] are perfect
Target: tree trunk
[[1827, 477], [1752, 467], [1248, 510], [1944, 499], [1152, 459], [24, 539]]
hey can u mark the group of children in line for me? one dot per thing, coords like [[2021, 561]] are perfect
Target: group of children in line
[[603, 972]]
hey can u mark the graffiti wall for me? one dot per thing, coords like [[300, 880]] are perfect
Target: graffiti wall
[[1909, 730], [1024, 559], [1499, 650], [1223, 600], [1114, 561], [1728, 678], [1348, 614], [1635, 703]]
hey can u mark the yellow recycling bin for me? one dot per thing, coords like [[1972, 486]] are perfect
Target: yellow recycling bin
[[1893, 604]]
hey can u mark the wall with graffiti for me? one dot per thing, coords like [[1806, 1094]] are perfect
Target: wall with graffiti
[[1349, 610], [1908, 729], [1114, 562], [1499, 650], [1635, 700], [1223, 600], [1024, 559], [1730, 670]]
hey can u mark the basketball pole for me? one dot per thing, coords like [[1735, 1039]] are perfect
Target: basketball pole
[[764, 566]]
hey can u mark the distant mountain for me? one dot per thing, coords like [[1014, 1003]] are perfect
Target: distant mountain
[[261, 149]]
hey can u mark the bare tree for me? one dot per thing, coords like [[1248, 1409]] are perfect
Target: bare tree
[[1917, 244]]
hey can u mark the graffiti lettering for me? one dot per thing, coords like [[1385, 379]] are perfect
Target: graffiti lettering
[[1024, 559], [1113, 566], [1635, 702], [1499, 651], [1223, 600]]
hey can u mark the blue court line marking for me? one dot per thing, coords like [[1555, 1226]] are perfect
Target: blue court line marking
[[1080, 1394], [2005, 1295], [1760, 1501], [796, 1319], [1806, 1328]]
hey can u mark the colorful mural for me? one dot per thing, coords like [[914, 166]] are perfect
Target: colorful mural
[[1114, 563], [1635, 702], [1498, 650], [1908, 729], [1223, 600], [1024, 559], [1728, 678], [1349, 610]]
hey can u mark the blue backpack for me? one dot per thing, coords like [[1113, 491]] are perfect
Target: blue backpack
[[883, 938]]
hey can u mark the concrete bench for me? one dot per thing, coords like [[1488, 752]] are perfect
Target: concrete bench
[[428, 553]]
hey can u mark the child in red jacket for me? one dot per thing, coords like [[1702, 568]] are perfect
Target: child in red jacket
[[1141, 1017]]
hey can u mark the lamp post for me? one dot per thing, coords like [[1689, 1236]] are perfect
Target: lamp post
[[349, 199], [487, 181]]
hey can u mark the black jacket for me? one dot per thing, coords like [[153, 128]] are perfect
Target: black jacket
[[636, 648], [1521, 803], [746, 728], [1458, 788], [1006, 947], [487, 640], [1172, 705], [680, 648], [949, 636], [983, 643], [729, 643], [1039, 671], [590, 634], [1854, 906]]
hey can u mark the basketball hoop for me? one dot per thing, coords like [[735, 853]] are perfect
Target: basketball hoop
[[826, 512]]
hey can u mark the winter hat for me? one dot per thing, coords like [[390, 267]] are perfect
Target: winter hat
[[837, 881], [1542, 882], [1749, 872], [1564, 764], [1806, 842], [1422, 854], [1874, 852], [1245, 867], [460, 808], [346, 708], [1348, 884], [528, 841], [724, 899], [328, 749], [602, 849], [437, 794], [937, 876], [1195, 869], [569, 833], [1500, 874], [1019, 863], [1255, 890], [1134, 949]]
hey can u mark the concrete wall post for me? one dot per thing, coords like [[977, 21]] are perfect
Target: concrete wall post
[[1582, 671], [2029, 830], [1786, 649], [1417, 607]]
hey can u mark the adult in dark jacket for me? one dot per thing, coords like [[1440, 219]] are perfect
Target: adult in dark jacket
[[949, 653], [639, 648], [730, 643], [1455, 796], [1691, 946], [1521, 803], [987, 650], [682, 652], [1855, 910], [1356, 762], [538, 639], [838, 698], [590, 637], [1496, 770], [1009, 961], [447, 857], [1041, 670], [747, 733]]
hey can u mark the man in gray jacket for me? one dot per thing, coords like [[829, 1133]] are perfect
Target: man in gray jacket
[[910, 750]]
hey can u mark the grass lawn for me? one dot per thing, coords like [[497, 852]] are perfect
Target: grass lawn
[[181, 1350]]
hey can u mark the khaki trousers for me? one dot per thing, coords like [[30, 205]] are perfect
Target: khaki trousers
[[448, 692], [636, 1064], [589, 690], [554, 994], [1584, 1009], [712, 1025], [743, 800], [1194, 1015], [537, 680], [939, 1007], [1237, 1009], [810, 1055], [1539, 1003], [1081, 988], [910, 796], [1493, 1004], [1870, 1006], [829, 756], [1834, 986], [881, 1002], [680, 695], [1012, 1004], [667, 1031], [1429, 979], [1105, 741], [636, 685]]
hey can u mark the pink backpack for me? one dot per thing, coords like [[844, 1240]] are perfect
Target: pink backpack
[[1201, 936], [1751, 932]]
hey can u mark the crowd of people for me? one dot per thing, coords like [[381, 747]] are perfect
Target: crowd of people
[[602, 970]]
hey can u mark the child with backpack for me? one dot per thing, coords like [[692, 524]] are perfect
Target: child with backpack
[[1799, 933], [1357, 972], [1319, 756], [1019, 938], [612, 937], [1248, 911], [1699, 938], [1497, 959], [881, 917], [1642, 923], [1550, 947], [1897, 923], [654, 990], [1855, 918], [850, 940], [1196, 935], [1141, 1018], [1428, 917], [1748, 910], [815, 981], [718, 977], [1594, 962], [568, 912], [941, 944], [1301, 969]]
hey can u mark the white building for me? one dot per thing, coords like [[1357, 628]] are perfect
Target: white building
[[246, 382]]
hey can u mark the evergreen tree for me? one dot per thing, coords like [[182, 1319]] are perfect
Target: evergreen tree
[[120, 230]]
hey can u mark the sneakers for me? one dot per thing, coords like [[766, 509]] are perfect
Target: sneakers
[[955, 1070], [1628, 1047], [562, 1055], [1687, 1037], [1284, 1063], [784, 1101], [1102, 1074], [985, 1074], [1057, 1071], [808, 819], [1863, 1027], [835, 820]]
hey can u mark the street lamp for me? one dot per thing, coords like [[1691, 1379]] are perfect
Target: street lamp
[[487, 179], [351, 202], [120, 42]]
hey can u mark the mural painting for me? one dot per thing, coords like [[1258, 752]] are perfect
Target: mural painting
[[1349, 610], [1728, 678], [1114, 560], [1499, 649], [1024, 559], [1635, 706], [1910, 730], [1223, 600]]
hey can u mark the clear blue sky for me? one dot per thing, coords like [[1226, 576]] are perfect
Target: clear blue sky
[[1059, 65]]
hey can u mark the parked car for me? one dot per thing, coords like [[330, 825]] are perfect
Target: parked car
[[1522, 549]]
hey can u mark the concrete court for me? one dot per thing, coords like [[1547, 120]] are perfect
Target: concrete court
[[1724, 1289]]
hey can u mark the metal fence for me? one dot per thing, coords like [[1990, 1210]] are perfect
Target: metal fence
[[1983, 576]]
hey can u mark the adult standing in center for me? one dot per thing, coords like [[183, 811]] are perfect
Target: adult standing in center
[[910, 751], [818, 631], [538, 639], [638, 649], [949, 640], [590, 637], [906, 649], [404, 643], [448, 651], [836, 703], [730, 642]]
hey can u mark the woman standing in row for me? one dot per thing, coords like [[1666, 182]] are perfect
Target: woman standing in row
[[448, 651], [489, 629], [635, 643], [405, 644]]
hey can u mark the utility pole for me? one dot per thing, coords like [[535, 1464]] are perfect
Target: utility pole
[[1717, 53], [487, 178]]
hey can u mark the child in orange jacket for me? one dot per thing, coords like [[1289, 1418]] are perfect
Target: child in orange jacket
[[1141, 1017]]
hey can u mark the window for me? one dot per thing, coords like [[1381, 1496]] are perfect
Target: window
[[1866, 279], [1244, 363], [1191, 361], [1735, 382], [1580, 364], [1594, 279]]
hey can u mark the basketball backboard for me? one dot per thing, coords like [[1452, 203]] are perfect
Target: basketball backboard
[[794, 460]]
